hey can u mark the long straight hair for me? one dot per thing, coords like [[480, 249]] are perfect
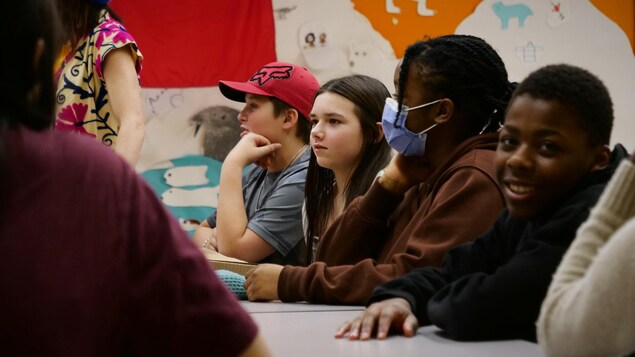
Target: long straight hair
[[27, 92], [368, 96], [80, 17]]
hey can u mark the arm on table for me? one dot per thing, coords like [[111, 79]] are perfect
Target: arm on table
[[392, 314], [465, 192]]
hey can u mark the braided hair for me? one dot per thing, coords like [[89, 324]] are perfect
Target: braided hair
[[465, 69]]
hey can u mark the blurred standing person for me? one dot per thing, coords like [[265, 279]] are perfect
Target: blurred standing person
[[98, 92]]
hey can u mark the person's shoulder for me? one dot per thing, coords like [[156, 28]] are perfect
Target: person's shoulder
[[585, 197], [65, 154], [299, 168], [589, 189], [296, 174], [473, 162], [112, 33], [108, 22], [476, 158], [253, 172], [478, 151], [51, 141]]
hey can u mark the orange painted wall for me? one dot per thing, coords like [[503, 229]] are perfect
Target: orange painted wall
[[622, 12], [410, 27]]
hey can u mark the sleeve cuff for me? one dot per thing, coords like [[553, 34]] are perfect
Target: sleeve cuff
[[289, 283]]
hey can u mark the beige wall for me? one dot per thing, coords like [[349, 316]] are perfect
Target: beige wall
[[587, 38]]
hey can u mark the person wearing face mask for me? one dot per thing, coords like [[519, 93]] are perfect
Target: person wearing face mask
[[400, 138], [553, 161], [440, 189]]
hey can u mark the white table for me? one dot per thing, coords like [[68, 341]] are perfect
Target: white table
[[310, 333], [277, 306]]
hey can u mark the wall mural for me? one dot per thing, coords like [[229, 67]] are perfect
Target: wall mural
[[190, 128], [396, 19]]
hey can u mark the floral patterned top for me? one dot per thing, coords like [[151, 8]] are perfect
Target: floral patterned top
[[82, 103]]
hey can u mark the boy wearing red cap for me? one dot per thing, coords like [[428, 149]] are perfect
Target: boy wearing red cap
[[259, 219]]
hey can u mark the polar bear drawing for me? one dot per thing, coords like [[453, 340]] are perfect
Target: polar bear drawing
[[506, 12]]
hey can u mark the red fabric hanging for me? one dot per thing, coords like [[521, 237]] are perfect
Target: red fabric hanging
[[191, 43]]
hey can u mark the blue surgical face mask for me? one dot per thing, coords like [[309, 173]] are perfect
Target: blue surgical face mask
[[398, 136]]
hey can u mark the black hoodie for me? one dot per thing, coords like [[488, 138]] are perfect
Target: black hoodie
[[493, 288]]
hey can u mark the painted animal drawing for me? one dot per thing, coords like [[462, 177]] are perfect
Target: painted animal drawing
[[283, 11], [220, 130], [507, 12]]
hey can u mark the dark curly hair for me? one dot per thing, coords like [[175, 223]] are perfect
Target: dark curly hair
[[465, 69], [577, 89]]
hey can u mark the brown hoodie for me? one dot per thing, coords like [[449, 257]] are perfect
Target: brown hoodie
[[382, 236]]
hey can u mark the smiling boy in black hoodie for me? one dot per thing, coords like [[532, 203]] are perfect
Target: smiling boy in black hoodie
[[552, 163]]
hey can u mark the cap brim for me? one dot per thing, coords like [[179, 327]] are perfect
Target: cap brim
[[236, 90]]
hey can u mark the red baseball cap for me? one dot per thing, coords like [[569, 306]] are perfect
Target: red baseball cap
[[290, 83]]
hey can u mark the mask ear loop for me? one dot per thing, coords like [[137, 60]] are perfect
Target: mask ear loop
[[397, 114], [407, 109], [489, 122]]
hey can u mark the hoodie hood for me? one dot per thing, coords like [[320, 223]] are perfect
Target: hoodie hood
[[618, 154], [596, 178], [487, 141]]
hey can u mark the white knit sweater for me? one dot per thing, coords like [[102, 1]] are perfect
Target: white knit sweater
[[590, 307]]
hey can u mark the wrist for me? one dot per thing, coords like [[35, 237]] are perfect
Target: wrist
[[392, 184], [206, 241], [235, 161]]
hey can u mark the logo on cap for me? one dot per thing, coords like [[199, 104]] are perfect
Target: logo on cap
[[271, 72]]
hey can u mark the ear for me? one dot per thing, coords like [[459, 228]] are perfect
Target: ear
[[445, 109], [601, 159], [380, 132], [290, 119]]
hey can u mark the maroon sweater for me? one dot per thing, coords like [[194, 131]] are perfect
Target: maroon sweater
[[92, 264], [382, 236]]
